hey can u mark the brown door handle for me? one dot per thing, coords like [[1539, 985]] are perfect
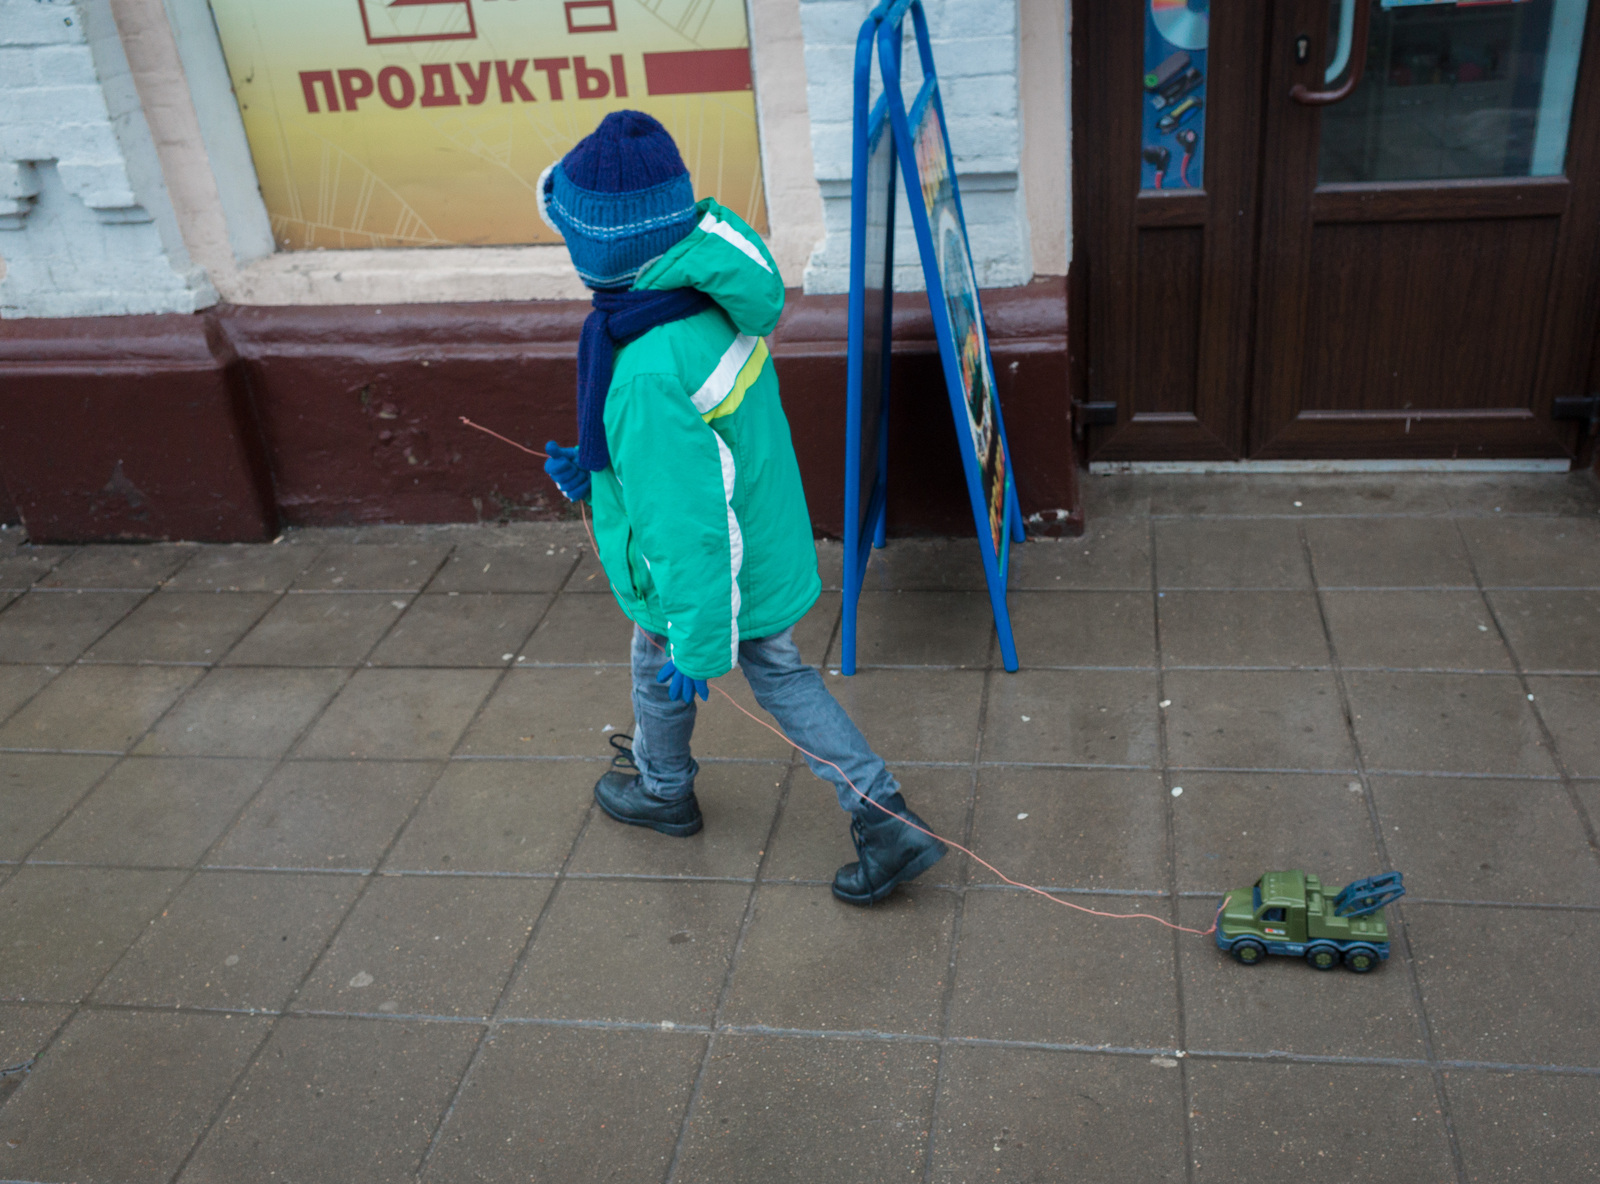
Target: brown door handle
[[1301, 93]]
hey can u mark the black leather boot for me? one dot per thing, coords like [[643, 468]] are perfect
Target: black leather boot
[[621, 794], [888, 852]]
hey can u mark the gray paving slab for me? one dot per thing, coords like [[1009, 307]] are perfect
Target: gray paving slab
[[353, 567], [1569, 708], [563, 712], [399, 714], [1242, 629], [160, 812], [1535, 552], [1400, 630], [1256, 719], [1111, 553], [1447, 723], [1525, 1126], [336, 1099], [121, 1097], [505, 568], [917, 627], [1219, 553], [113, 565], [1556, 632], [98, 708], [182, 627], [234, 940], [1389, 553], [581, 629], [24, 1031], [568, 1104], [1087, 628], [765, 1099], [320, 629], [923, 565], [18, 684], [37, 790], [631, 951], [1090, 717], [25, 565], [55, 627], [469, 629], [237, 567], [814, 632], [244, 711]]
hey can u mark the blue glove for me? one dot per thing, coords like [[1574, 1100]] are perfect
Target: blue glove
[[683, 687], [564, 471]]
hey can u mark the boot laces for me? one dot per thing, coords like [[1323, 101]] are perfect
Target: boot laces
[[624, 753]]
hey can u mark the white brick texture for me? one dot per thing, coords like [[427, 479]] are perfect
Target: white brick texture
[[975, 50], [86, 227]]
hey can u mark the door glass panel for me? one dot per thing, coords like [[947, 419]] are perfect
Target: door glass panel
[[1456, 90], [1173, 101]]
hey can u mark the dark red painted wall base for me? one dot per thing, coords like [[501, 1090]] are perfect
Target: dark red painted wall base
[[231, 424]]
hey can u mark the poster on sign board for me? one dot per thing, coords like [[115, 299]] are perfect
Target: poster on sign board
[[390, 123]]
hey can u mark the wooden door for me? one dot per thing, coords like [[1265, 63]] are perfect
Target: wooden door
[[1423, 293], [1344, 280]]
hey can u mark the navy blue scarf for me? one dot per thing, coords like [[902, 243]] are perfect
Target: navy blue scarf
[[618, 318]]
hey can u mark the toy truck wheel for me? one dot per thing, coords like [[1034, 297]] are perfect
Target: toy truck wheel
[[1360, 961], [1323, 957], [1249, 952]]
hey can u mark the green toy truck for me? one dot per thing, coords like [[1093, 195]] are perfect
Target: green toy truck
[[1290, 913]]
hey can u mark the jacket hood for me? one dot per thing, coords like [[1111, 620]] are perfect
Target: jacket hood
[[726, 260]]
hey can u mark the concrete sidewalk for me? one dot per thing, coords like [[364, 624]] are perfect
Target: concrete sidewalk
[[301, 878]]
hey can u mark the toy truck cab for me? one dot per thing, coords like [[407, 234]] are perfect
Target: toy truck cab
[[1289, 913]]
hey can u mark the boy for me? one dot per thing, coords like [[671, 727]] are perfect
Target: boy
[[684, 453]]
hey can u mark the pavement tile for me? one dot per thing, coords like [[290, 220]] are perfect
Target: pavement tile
[[336, 1099], [58, 626], [814, 632], [1026, 1114], [18, 684], [1224, 553], [813, 837], [1447, 723], [737, 799], [1231, 827], [1256, 719], [1474, 839], [589, 575], [426, 945], [244, 711], [1072, 828], [182, 627], [232, 940], [1535, 552], [498, 816], [1388, 553], [568, 1104], [1242, 629], [1111, 553], [830, 563], [352, 567], [812, 962], [1551, 631], [326, 814], [121, 1097], [1283, 1005], [62, 928], [530, 567], [98, 708], [237, 567], [913, 715], [1094, 717], [319, 629], [114, 565], [1569, 708], [399, 713], [921, 628], [1513, 986], [472, 629], [581, 629], [36, 791], [24, 566], [155, 811], [632, 951], [765, 1099], [1030, 970], [924, 564], [24, 1031], [1415, 630], [1489, 494], [1084, 628], [552, 713], [7, 595], [1525, 1126], [1116, 495], [1291, 494], [1329, 1122]]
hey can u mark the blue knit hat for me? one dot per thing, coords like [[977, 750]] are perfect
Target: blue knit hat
[[620, 199]]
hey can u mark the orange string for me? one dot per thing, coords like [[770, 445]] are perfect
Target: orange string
[[498, 436]]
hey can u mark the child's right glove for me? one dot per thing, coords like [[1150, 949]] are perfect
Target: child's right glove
[[564, 471]]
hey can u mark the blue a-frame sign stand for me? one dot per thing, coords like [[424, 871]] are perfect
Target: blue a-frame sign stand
[[885, 132]]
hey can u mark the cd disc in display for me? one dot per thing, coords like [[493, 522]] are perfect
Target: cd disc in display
[[1180, 24]]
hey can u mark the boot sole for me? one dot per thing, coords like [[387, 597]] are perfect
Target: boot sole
[[678, 830], [910, 872]]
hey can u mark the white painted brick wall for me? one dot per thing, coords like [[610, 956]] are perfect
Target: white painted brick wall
[[975, 50], [86, 227]]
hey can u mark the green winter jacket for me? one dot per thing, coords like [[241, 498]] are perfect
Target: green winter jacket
[[700, 519]]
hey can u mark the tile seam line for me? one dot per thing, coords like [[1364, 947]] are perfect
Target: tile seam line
[[1375, 821], [366, 880]]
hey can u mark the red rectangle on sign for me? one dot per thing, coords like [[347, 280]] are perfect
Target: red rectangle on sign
[[697, 71]]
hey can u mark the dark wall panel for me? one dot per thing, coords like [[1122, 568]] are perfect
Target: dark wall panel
[[1168, 329]]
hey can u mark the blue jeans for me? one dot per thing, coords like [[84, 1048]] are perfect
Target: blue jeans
[[792, 691]]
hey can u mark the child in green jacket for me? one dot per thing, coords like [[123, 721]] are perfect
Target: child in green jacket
[[684, 454]]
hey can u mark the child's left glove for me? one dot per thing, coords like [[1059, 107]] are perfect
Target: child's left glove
[[682, 686], [564, 471]]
